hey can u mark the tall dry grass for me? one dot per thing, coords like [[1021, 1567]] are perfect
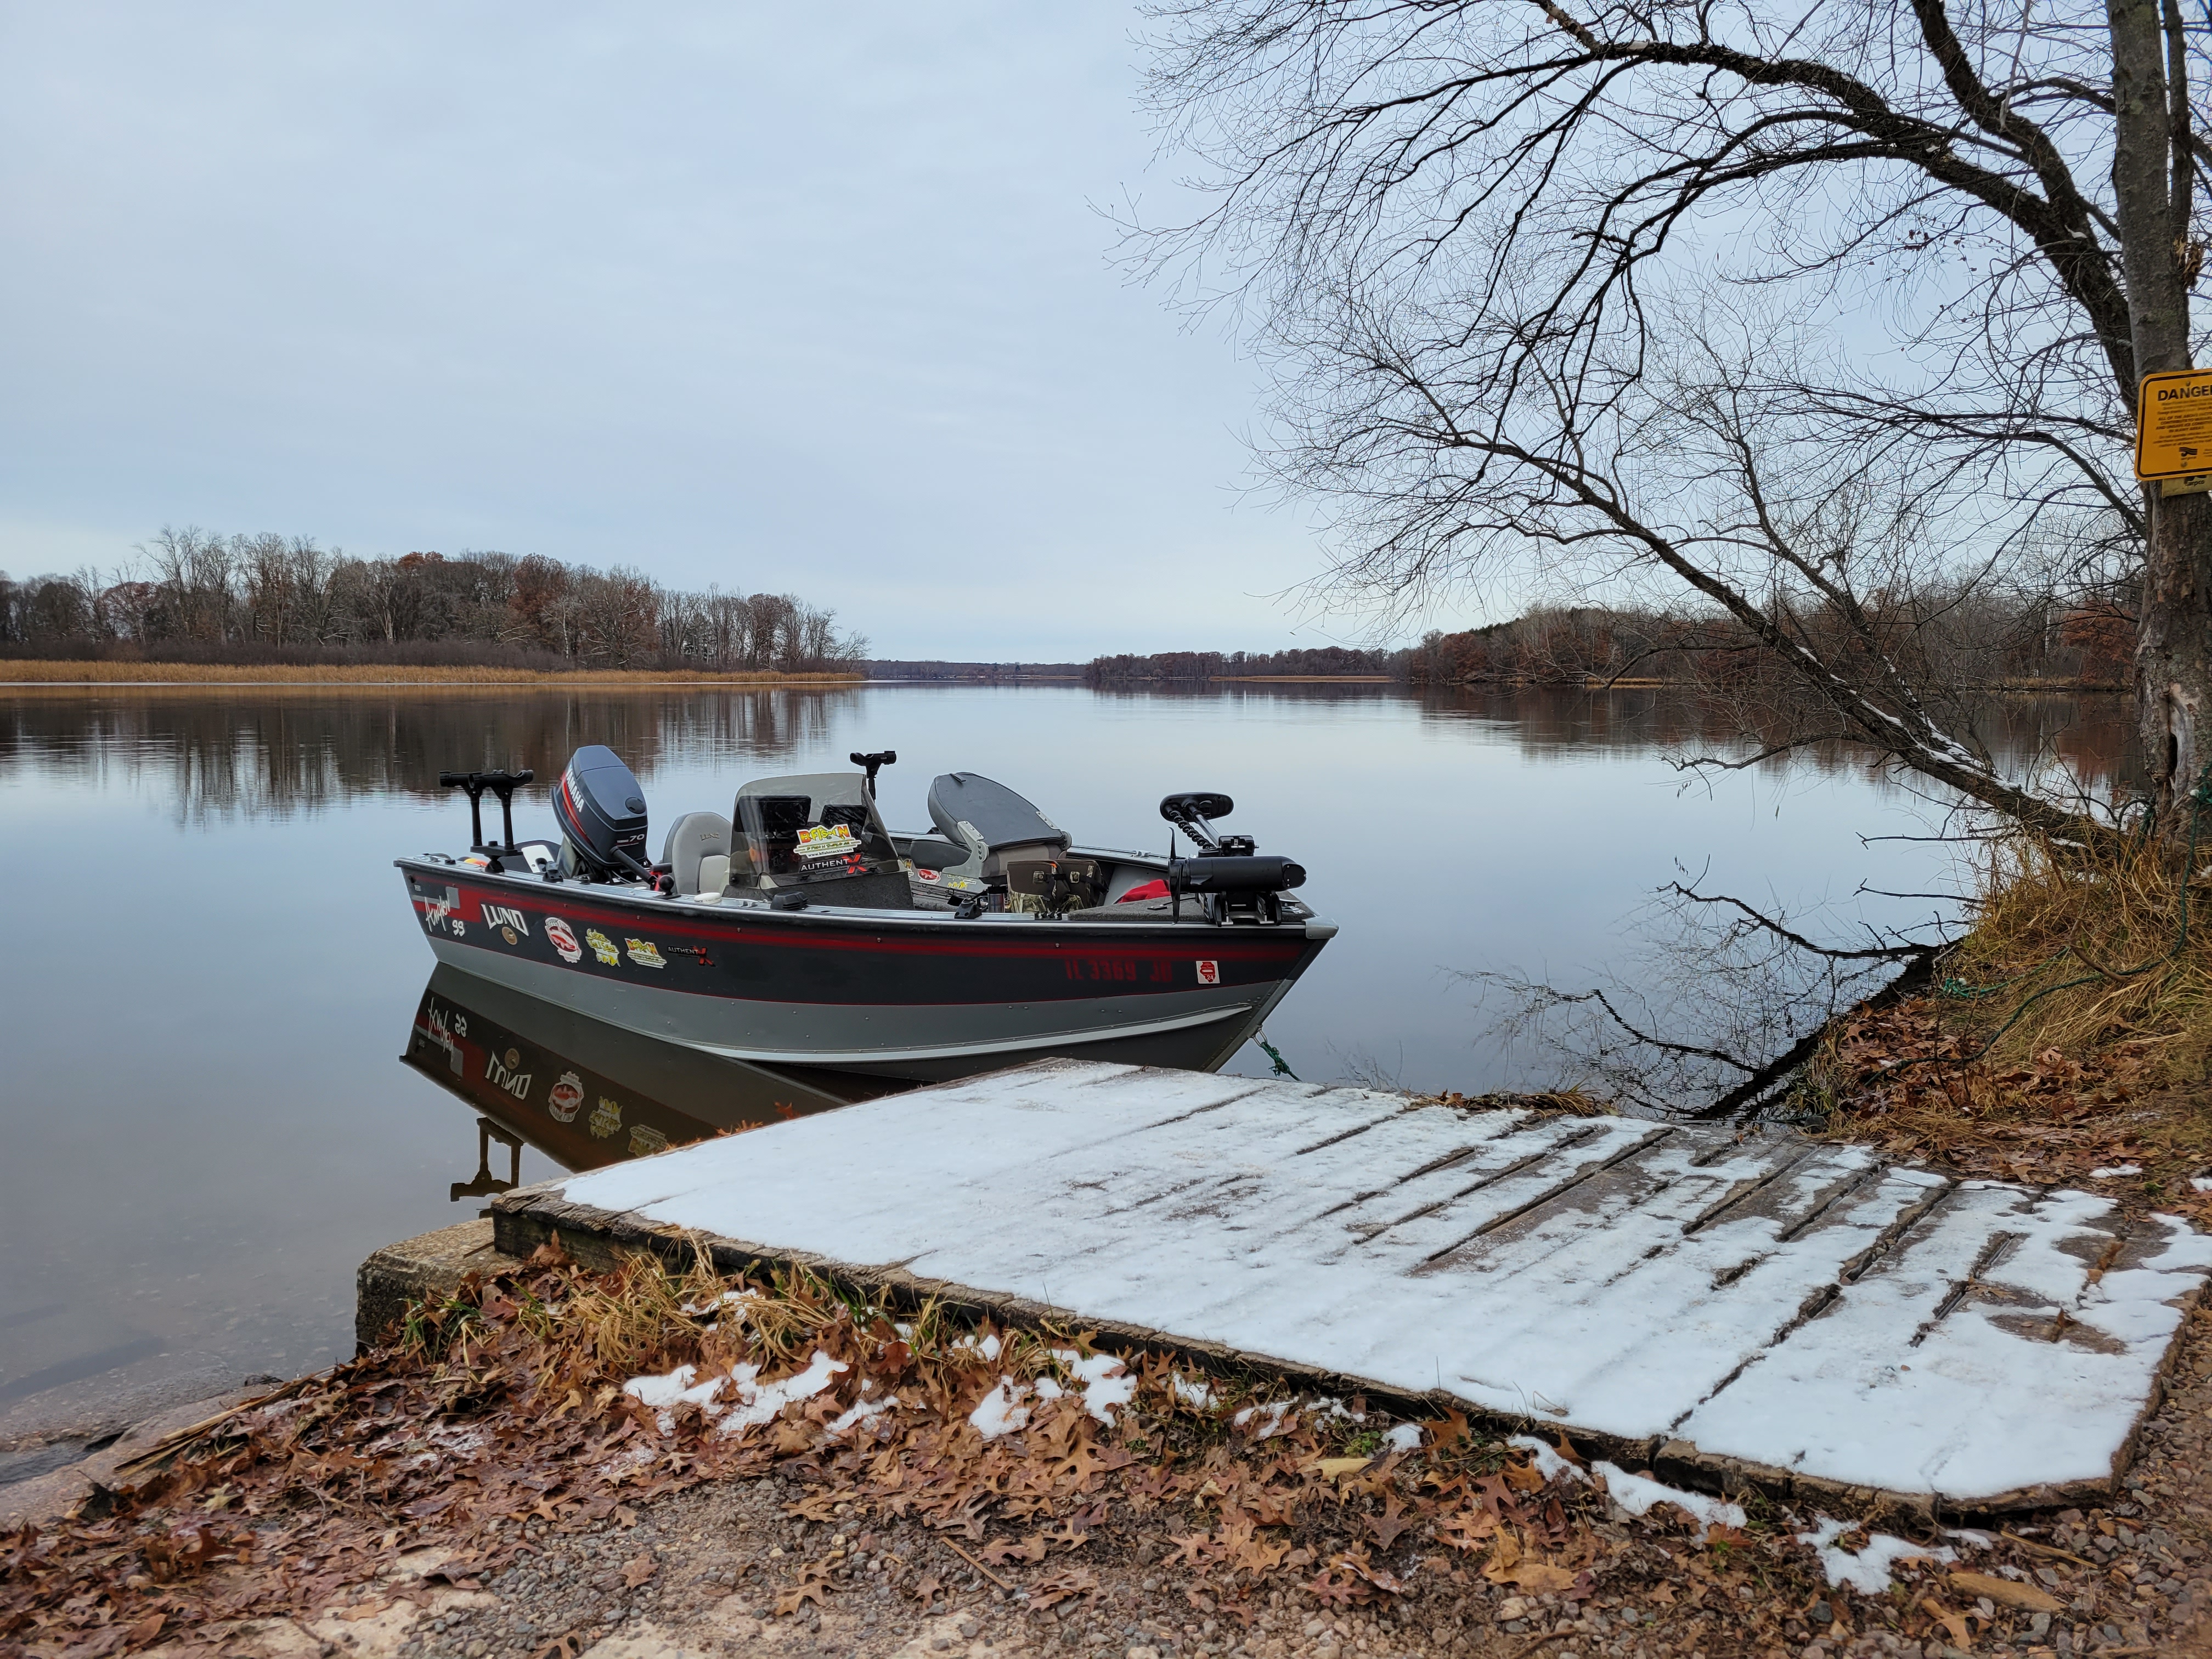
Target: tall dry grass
[[30, 671], [2077, 949]]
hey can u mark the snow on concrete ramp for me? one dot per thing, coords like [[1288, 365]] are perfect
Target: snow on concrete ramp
[[1803, 1314]]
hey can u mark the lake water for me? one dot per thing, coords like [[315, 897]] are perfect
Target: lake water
[[211, 970]]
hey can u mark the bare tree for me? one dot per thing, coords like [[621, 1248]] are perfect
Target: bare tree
[[1828, 314]]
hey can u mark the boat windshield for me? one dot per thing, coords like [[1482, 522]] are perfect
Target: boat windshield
[[815, 827]]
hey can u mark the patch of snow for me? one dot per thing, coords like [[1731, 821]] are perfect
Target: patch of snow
[[1198, 1392], [1107, 1382], [1268, 1418], [1980, 1540], [759, 1402], [672, 1389], [1868, 1572], [2117, 1170], [2202, 1183], [1639, 1493], [1549, 1464], [989, 1347], [727, 1299], [1002, 1411], [861, 1412], [1406, 1437]]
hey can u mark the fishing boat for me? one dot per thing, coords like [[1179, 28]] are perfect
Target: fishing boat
[[799, 931]]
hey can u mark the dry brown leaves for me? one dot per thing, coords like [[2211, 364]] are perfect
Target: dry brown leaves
[[514, 1413]]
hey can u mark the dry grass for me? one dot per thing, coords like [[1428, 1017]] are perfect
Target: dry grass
[[2070, 1031], [23, 672]]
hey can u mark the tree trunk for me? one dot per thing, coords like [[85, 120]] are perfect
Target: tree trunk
[[2151, 179]]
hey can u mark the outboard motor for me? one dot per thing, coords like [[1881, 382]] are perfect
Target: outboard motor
[[601, 810], [1227, 877]]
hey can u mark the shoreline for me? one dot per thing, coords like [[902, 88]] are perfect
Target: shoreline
[[83, 676]]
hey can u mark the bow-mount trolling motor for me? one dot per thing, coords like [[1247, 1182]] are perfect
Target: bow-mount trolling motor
[[1230, 882]]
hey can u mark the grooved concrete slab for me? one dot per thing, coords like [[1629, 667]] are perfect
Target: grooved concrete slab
[[1806, 1316]]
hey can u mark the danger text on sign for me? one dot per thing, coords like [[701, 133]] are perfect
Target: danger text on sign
[[2173, 424]]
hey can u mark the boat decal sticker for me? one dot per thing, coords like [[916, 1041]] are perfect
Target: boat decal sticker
[[606, 1117], [1209, 973], [564, 940], [567, 1096], [437, 911], [603, 947], [644, 1141], [504, 917], [641, 952], [929, 875], [457, 927], [822, 840], [499, 1073]]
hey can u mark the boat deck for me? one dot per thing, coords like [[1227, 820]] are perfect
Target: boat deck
[[1768, 1309]]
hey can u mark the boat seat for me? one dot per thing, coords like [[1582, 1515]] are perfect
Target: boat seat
[[692, 839], [970, 809]]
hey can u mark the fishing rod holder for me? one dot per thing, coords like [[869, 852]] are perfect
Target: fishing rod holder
[[872, 764], [502, 784]]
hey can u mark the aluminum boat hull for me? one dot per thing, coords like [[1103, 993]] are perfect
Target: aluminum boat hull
[[918, 995]]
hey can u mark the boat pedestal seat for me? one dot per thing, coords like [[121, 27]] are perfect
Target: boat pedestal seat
[[692, 840]]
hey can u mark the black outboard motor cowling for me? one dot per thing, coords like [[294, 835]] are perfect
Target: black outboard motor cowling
[[601, 810]]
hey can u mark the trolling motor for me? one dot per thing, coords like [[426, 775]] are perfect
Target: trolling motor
[[1227, 877], [502, 784], [874, 763]]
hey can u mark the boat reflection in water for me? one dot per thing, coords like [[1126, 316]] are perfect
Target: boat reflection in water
[[585, 1093]]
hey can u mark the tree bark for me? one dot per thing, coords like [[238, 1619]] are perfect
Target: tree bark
[[2151, 176]]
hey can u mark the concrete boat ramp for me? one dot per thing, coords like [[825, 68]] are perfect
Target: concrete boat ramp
[[1765, 1311]]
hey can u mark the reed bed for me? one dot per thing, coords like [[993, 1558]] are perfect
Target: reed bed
[[33, 671]]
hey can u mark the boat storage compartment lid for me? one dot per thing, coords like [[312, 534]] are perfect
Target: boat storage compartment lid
[[995, 812]]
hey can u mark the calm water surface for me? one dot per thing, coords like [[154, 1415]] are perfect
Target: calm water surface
[[211, 969]]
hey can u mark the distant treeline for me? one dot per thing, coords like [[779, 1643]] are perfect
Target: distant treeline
[[2086, 643], [881, 668], [1327, 662], [196, 597]]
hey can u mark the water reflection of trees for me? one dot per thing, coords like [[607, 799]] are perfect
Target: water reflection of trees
[[225, 753], [251, 753]]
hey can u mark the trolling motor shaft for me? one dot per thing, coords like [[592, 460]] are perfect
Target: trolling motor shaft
[[502, 784]]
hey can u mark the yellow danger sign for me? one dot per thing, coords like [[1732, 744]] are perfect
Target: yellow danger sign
[[2173, 424]]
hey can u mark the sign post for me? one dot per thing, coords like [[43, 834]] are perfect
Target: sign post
[[2173, 431]]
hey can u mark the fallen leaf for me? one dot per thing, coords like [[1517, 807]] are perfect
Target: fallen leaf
[[1523, 1477], [145, 1629], [362, 1610], [1954, 1622], [1537, 1576], [2006, 1593], [1395, 1520], [924, 1589], [813, 1586], [635, 1571], [1335, 1468], [1069, 1581]]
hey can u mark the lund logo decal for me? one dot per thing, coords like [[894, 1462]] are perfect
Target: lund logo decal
[[603, 947], [1209, 973], [505, 916], [502, 1074], [566, 1096], [641, 952], [564, 940]]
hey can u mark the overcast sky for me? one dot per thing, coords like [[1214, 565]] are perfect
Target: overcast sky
[[781, 298]]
